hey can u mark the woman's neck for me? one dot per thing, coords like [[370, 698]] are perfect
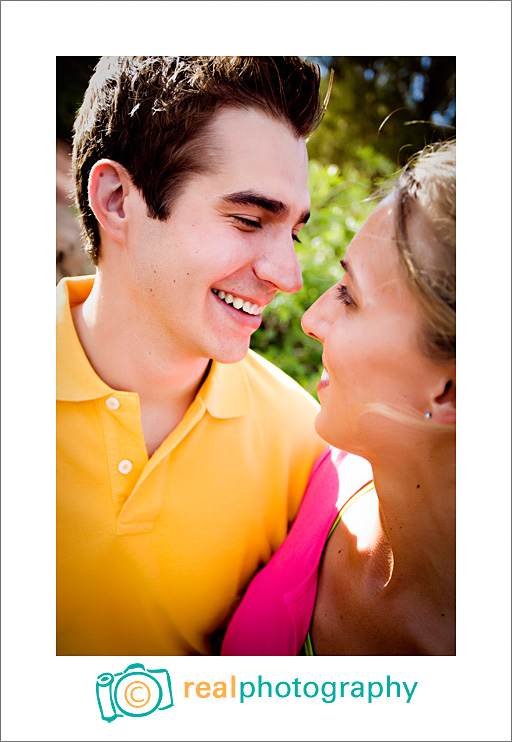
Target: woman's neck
[[416, 522]]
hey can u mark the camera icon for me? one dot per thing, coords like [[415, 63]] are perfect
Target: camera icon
[[134, 692]]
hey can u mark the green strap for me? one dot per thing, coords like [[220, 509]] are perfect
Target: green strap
[[308, 642], [308, 646]]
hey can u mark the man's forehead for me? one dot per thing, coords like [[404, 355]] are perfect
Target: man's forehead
[[250, 129], [256, 160]]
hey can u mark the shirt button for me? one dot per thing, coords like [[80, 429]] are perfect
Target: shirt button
[[112, 403], [125, 466]]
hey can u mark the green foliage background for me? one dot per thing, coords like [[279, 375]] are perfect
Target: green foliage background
[[381, 111]]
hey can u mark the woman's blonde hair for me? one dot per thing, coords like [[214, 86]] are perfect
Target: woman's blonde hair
[[427, 186]]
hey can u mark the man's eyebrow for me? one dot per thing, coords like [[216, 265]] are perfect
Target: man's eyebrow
[[272, 205]]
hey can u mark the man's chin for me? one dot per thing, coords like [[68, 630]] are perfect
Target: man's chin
[[232, 359], [231, 355]]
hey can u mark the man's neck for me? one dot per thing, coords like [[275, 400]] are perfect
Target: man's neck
[[166, 386]]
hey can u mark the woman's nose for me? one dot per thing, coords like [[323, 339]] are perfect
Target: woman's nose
[[315, 321]]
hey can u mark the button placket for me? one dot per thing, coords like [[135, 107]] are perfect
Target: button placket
[[142, 508], [125, 448]]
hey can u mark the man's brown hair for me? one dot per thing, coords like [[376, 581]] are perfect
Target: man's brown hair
[[152, 115]]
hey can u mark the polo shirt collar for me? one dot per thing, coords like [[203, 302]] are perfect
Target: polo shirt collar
[[76, 379], [225, 393]]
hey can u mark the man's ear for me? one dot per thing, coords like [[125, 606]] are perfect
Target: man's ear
[[109, 185], [443, 401]]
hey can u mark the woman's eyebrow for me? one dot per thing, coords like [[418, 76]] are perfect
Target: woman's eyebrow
[[348, 270], [272, 205], [344, 264]]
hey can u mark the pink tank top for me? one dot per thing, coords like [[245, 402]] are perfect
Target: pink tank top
[[275, 613]]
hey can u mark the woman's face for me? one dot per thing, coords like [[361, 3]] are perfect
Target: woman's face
[[369, 325]]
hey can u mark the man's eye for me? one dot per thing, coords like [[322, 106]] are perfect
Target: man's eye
[[247, 222]]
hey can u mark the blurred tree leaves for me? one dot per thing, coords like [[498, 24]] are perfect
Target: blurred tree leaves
[[395, 104]]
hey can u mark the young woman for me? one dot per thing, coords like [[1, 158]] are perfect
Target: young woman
[[368, 567]]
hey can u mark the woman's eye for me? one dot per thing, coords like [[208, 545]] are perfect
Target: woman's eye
[[295, 238], [250, 223], [344, 296]]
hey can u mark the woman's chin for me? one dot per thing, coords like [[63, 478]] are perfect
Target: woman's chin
[[325, 429], [338, 433]]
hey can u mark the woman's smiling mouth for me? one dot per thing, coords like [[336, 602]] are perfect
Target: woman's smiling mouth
[[324, 380]]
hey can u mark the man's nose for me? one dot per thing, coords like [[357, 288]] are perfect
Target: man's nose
[[279, 265]]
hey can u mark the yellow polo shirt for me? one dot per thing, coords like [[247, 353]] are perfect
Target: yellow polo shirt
[[153, 554]]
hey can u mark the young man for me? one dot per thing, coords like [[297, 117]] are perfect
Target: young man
[[182, 457]]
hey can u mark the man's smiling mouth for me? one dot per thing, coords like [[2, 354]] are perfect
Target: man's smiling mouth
[[238, 303]]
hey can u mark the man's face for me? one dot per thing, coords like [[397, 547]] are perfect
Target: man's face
[[230, 234]]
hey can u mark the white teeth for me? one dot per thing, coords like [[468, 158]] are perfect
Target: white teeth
[[239, 303], [325, 376]]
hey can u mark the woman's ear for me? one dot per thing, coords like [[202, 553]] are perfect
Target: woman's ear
[[443, 402], [109, 185]]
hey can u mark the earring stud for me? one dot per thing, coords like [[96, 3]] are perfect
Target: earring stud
[[428, 415]]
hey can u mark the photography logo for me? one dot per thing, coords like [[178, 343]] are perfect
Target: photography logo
[[134, 692]]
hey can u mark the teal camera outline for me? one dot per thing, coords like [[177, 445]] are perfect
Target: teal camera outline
[[106, 695]]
